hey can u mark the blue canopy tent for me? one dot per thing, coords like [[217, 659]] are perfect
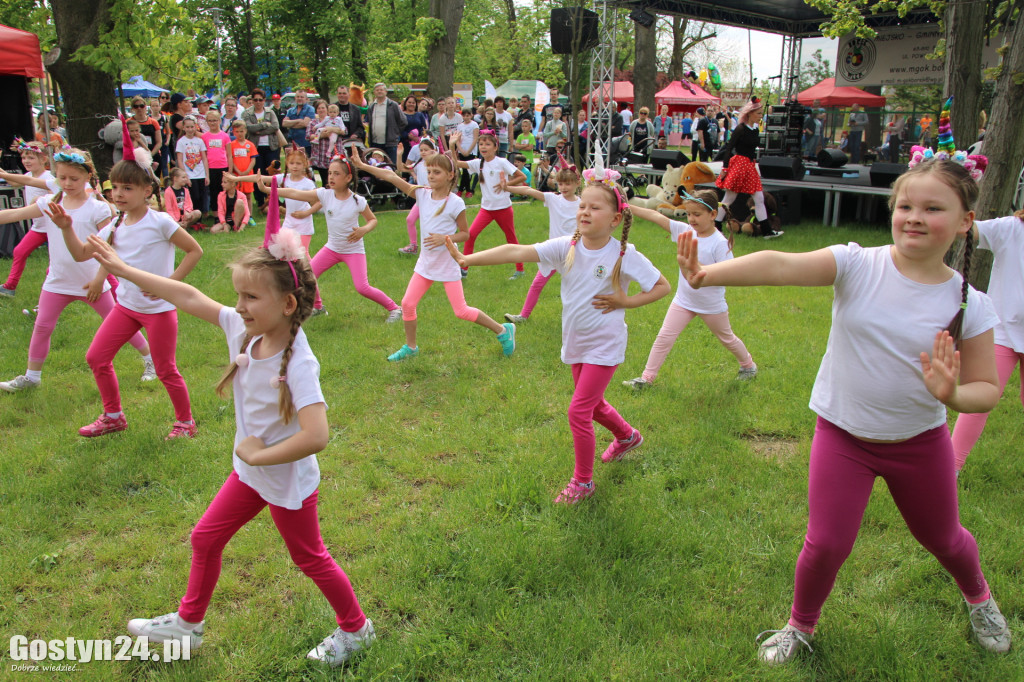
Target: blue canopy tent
[[137, 87]]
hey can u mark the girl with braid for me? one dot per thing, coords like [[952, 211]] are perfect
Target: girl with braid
[[596, 271], [893, 363], [281, 423]]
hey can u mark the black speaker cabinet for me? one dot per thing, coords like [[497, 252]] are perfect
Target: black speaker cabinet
[[832, 158], [884, 174], [662, 158], [781, 168], [569, 24], [11, 233]]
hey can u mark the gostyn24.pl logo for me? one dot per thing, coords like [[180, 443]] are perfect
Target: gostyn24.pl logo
[[40, 654]]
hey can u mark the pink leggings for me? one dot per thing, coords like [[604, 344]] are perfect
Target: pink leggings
[[51, 305], [506, 221], [326, 258], [234, 506], [410, 223], [588, 405], [968, 427], [306, 239], [533, 295], [919, 474], [418, 285], [675, 322], [119, 326], [29, 243]]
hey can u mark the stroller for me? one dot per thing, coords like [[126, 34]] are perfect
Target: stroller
[[377, 192]]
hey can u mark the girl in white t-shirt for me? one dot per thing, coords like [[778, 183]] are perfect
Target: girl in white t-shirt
[[442, 215], [1005, 238], [36, 163], [344, 244], [596, 271], [66, 279], [145, 239], [281, 423], [191, 156], [464, 141], [562, 207], [418, 170], [894, 361], [495, 202], [708, 303]]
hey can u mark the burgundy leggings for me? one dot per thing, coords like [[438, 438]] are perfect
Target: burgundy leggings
[[505, 220], [919, 474]]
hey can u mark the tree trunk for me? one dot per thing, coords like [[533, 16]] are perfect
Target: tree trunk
[[965, 37], [441, 52], [645, 67], [675, 66], [359, 15], [87, 92]]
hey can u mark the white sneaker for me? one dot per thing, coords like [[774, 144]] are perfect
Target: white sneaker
[[164, 628], [149, 371], [990, 627], [18, 383], [637, 384], [394, 315], [783, 644], [341, 645], [515, 319], [747, 373]]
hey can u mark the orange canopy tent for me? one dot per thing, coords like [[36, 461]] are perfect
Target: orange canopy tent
[[623, 92], [828, 95]]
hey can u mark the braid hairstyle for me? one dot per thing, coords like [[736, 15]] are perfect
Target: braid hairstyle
[[956, 325], [627, 222], [279, 274]]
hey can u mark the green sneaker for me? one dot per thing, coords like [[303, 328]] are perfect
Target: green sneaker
[[507, 339], [403, 353]]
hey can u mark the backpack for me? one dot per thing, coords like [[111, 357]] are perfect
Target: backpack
[[712, 132]]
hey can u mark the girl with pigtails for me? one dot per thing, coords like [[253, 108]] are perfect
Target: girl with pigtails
[[596, 271]]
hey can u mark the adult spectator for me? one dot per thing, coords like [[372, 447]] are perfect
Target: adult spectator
[[261, 127], [663, 122], [811, 138], [318, 132], [706, 135], [556, 130], [504, 120], [858, 123], [342, 94], [686, 124], [553, 103], [148, 126], [351, 116], [896, 126], [415, 120], [180, 108], [166, 111], [642, 132], [926, 130], [386, 121], [228, 115], [626, 112], [448, 121], [275, 106], [297, 119], [243, 103], [722, 121], [526, 112]]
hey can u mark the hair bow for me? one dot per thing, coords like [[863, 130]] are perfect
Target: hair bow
[[69, 157], [488, 131], [20, 145]]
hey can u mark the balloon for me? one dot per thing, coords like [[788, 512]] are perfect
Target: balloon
[[703, 77], [716, 77]]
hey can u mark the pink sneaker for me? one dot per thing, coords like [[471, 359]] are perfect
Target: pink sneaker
[[575, 492], [104, 425], [182, 429], [618, 448]]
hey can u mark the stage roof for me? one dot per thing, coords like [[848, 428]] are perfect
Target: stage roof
[[788, 17]]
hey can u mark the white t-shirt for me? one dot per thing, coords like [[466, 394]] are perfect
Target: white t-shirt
[[561, 215], [342, 218], [419, 171], [33, 193], [627, 116], [264, 140], [66, 275], [191, 151], [490, 198], [870, 381], [1005, 238], [447, 124], [146, 245], [436, 264], [711, 249], [466, 145], [504, 123], [588, 335], [256, 414], [301, 226]]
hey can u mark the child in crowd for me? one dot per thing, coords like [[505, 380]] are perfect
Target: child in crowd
[[192, 158], [894, 362], [519, 160], [66, 279], [281, 423], [596, 271], [418, 171], [146, 239], [242, 158], [442, 214], [217, 144], [37, 164], [178, 200], [526, 142], [464, 141], [232, 208]]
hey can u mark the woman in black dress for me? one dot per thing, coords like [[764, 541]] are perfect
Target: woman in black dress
[[740, 174]]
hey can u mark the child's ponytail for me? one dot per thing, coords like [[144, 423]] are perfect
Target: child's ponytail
[[956, 325], [627, 222]]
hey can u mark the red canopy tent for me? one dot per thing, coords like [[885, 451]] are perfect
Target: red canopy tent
[[623, 92], [828, 95], [679, 95], [23, 55]]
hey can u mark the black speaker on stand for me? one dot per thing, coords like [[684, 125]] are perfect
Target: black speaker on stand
[[662, 158], [781, 168], [832, 158], [884, 174], [569, 24]]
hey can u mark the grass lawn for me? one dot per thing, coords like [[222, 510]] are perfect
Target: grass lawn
[[437, 491]]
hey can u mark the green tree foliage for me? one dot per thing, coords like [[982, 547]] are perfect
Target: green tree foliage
[[815, 70]]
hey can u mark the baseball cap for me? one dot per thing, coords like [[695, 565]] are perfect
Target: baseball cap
[[177, 98], [203, 100], [275, 97], [700, 110]]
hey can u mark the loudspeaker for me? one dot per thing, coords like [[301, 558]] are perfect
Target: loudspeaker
[[884, 174], [662, 158], [781, 168], [11, 233], [832, 158], [16, 113], [573, 24]]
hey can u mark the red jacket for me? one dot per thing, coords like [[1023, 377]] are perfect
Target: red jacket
[[171, 203], [222, 207]]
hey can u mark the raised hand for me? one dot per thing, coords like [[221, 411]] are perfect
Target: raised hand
[[687, 259], [59, 216], [942, 369], [459, 257]]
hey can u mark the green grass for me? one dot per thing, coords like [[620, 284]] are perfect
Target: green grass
[[437, 494]]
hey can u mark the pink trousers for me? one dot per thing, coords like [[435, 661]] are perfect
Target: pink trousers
[[418, 286], [119, 326], [326, 258], [675, 322], [51, 305], [234, 506], [29, 243], [533, 295], [506, 221], [919, 475], [588, 406], [968, 427], [410, 223], [306, 239]]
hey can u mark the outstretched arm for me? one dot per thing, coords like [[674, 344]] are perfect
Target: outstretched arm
[[16, 215], [507, 253], [765, 268], [652, 216], [385, 174], [184, 296], [524, 190], [19, 179]]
